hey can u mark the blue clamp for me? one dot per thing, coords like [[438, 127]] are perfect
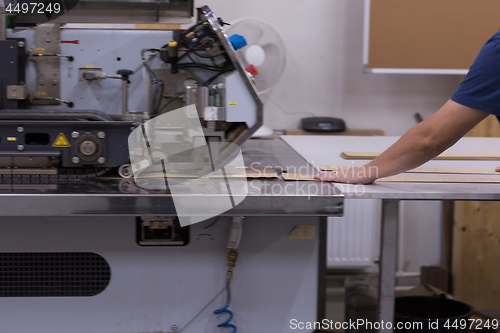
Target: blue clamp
[[226, 323], [238, 41]]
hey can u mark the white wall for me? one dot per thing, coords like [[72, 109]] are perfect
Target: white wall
[[323, 75]]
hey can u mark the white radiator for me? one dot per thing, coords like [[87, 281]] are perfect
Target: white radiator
[[352, 239]]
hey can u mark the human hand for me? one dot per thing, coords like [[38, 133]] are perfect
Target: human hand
[[497, 169], [349, 175]]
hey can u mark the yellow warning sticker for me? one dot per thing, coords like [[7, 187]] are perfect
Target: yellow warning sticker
[[90, 66], [40, 49], [11, 138], [41, 93], [61, 141], [233, 103]]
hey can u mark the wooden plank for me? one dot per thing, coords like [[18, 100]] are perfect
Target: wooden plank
[[261, 173], [351, 132], [440, 179], [301, 177], [354, 155], [429, 170], [294, 176], [158, 26], [255, 173]]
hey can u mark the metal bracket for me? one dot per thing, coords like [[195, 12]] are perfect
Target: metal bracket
[[17, 92], [48, 83]]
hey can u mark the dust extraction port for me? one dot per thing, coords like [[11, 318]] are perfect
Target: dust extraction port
[[37, 139]]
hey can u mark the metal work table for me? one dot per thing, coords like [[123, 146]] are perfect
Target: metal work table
[[267, 197], [325, 150], [109, 197], [118, 197]]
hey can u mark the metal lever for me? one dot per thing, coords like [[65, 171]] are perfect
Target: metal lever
[[125, 74]]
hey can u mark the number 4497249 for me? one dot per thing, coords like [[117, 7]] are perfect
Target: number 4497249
[[471, 324], [46, 7]]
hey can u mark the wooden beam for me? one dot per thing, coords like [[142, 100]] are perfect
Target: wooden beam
[[440, 179], [355, 155], [349, 132], [428, 170], [292, 176]]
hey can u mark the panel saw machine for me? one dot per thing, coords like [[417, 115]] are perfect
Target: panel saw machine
[[85, 250], [71, 93]]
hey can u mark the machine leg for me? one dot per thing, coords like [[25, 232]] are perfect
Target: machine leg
[[322, 234], [388, 256]]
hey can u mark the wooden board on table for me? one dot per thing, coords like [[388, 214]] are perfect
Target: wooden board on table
[[294, 176], [471, 180], [158, 26], [350, 132], [250, 173], [355, 155], [428, 170]]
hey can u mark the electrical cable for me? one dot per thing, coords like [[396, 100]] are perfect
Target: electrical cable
[[210, 80], [185, 65], [228, 292], [155, 98], [213, 223], [170, 102], [207, 56], [231, 263], [204, 66], [290, 113], [158, 103], [233, 244], [227, 322], [155, 81], [203, 309]]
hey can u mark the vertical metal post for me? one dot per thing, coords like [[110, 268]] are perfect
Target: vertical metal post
[[125, 97], [3, 22], [322, 234], [388, 258]]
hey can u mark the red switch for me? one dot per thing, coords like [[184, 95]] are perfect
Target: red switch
[[252, 70]]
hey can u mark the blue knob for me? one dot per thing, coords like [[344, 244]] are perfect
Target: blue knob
[[238, 41]]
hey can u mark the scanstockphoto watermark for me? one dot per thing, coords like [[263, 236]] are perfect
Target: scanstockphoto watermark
[[363, 172], [359, 324], [427, 325], [299, 187]]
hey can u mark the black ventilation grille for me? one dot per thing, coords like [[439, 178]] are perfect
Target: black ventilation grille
[[47, 274]]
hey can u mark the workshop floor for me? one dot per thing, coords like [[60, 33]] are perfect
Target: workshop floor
[[335, 308]]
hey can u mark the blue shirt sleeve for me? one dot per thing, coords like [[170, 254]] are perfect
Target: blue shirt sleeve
[[481, 87]]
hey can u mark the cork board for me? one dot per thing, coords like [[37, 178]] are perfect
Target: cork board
[[429, 34]]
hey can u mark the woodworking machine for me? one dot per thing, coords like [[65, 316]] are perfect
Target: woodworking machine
[[85, 251], [71, 94]]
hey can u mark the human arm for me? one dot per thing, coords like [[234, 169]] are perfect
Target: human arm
[[418, 145]]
